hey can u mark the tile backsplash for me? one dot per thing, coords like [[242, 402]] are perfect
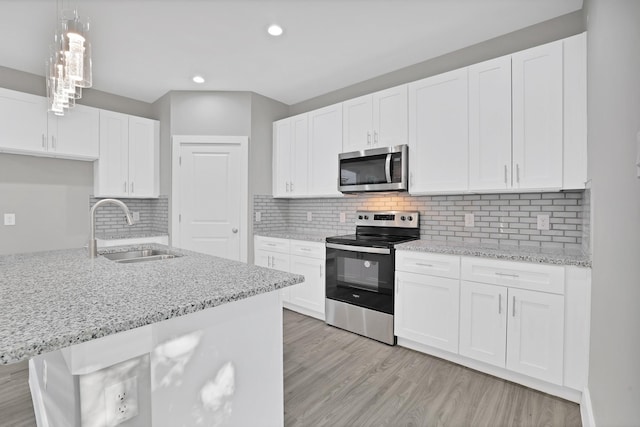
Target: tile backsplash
[[507, 219], [154, 216]]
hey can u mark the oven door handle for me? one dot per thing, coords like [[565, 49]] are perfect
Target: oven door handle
[[387, 168], [350, 248]]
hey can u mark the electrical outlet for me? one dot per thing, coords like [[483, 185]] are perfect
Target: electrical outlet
[[469, 220], [121, 401], [309, 216], [258, 216], [543, 222], [343, 217], [9, 219], [136, 216], [501, 227]]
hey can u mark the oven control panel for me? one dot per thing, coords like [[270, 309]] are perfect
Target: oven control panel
[[388, 219]]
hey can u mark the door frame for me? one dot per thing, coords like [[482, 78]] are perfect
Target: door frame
[[243, 143]]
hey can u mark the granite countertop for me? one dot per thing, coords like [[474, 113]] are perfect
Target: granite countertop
[[297, 235], [130, 235], [51, 300], [505, 252]]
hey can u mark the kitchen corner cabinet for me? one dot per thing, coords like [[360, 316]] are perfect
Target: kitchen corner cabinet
[[129, 157], [299, 257], [27, 128], [290, 145], [426, 303], [438, 133], [375, 120]]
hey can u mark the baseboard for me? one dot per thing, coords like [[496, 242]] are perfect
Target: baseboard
[[586, 410]]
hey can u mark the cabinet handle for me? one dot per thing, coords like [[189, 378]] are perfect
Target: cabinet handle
[[305, 249], [44, 141], [499, 303], [505, 174], [368, 138], [287, 187], [424, 264], [125, 187], [53, 142], [514, 306], [132, 188], [291, 187], [515, 276], [320, 271], [270, 244], [375, 137], [518, 173]]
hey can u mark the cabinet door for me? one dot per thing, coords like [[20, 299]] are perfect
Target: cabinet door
[[23, 122], [325, 143], [390, 117], [76, 134], [112, 169], [310, 293], [426, 310], [143, 157], [483, 322], [438, 133], [281, 157], [358, 124], [490, 125], [535, 334], [299, 155], [537, 117]]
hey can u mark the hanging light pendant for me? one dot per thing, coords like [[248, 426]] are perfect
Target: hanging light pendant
[[69, 66]]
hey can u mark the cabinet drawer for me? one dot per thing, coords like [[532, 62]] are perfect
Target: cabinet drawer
[[272, 244], [535, 277], [308, 249], [428, 263]]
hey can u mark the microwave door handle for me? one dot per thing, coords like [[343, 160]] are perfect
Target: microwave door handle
[[387, 168]]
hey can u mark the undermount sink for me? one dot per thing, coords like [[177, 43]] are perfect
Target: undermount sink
[[140, 255]]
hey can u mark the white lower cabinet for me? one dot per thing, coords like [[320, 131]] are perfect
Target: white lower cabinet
[[426, 310], [298, 257]]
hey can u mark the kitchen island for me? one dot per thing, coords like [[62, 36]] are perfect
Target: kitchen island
[[197, 338]]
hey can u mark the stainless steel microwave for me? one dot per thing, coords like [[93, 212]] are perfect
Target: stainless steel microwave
[[379, 169]]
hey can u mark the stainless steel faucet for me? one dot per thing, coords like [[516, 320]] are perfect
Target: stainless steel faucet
[[93, 244]]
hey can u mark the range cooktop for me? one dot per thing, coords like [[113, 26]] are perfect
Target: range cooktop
[[381, 229]]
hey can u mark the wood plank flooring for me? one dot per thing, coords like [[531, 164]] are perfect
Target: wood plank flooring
[[336, 378]]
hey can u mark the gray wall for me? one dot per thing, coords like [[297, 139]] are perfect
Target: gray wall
[[614, 119], [554, 29], [50, 197]]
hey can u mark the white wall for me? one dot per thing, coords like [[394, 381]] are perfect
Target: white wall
[[614, 119]]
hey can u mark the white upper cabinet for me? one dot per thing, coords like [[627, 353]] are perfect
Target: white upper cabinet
[[129, 157], [325, 143], [490, 125], [575, 112], [376, 120], [538, 117], [438, 133], [290, 156], [27, 128]]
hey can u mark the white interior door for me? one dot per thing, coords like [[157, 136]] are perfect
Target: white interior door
[[210, 196]]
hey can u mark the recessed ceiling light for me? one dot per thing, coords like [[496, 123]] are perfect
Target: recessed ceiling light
[[198, 79], [275, 30]]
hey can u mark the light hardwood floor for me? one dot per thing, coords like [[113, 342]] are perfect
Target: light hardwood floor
[[336, 378]]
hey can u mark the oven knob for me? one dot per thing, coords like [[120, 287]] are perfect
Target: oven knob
[[366, 217], [359, 216], [403, 218], [410, 218]]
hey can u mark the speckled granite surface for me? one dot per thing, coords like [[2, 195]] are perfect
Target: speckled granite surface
[[510, 253], [295, 235], [50, 300]]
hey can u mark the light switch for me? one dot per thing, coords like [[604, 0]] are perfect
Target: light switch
[[543, 222], [258, 216], [136, 216], [9, 219], [309, 216], [469, 220], [343, 217]]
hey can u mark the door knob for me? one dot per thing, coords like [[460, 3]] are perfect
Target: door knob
[[235, 230]]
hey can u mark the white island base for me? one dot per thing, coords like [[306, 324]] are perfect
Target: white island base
[[218, 366]]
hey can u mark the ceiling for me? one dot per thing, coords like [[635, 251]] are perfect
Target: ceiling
[[144, 48]]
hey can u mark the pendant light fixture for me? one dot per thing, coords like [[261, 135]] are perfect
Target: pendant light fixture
[[68, 68]]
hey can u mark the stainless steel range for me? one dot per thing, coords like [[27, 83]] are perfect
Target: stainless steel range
[[360, 273]]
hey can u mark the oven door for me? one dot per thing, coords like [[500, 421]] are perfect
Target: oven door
[[363, 276]]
